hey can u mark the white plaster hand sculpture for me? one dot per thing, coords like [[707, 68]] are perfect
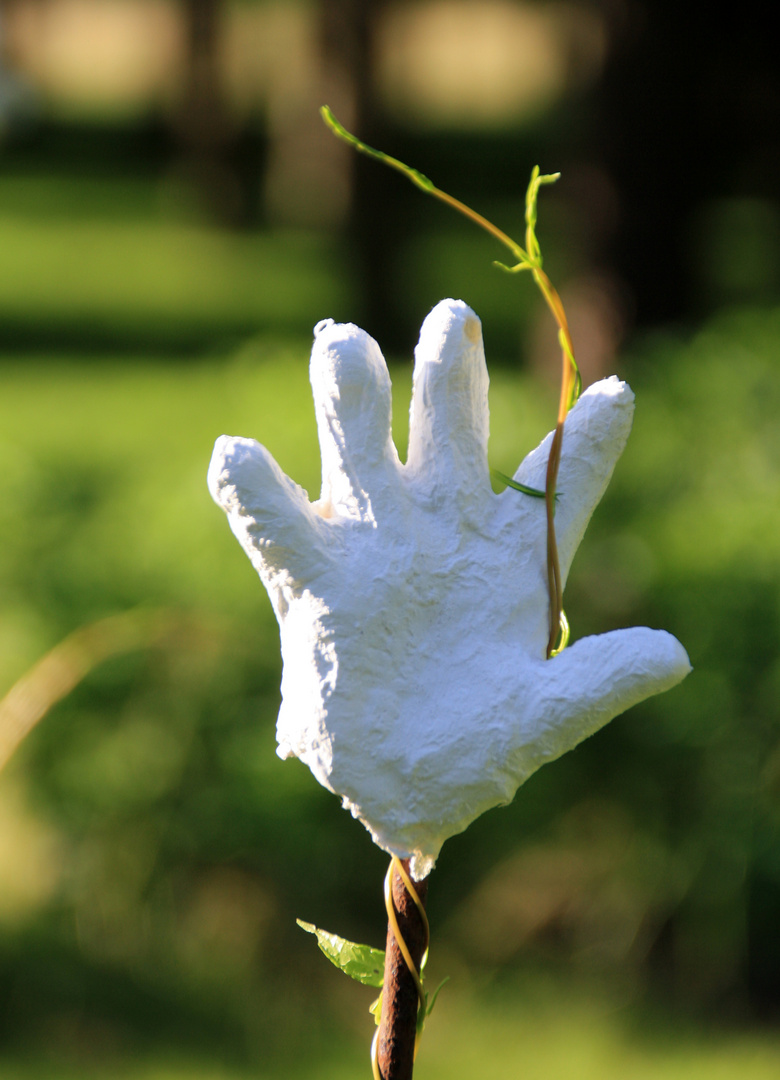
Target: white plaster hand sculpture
[[413, 601]]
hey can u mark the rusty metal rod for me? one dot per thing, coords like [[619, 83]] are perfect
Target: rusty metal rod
[[400, 999]]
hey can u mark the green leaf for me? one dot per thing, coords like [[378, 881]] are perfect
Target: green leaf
[[513, 269], [360, 962], [537, 494], [425, 1011], [430, 999]]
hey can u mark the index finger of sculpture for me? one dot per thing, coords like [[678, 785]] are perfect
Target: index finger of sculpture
[[270, 515], [594, 437], [448, 424], [352, 402]]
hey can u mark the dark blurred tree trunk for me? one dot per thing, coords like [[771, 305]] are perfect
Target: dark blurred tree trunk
[[205, 128], [348, 36], [688, 110]]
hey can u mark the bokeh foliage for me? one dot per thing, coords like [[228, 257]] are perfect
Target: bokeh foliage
[[154, 852], [177, 849]]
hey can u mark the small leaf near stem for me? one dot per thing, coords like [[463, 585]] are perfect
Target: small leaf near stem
[[528, 258], [507, 481], [360, 962], [430, 999]]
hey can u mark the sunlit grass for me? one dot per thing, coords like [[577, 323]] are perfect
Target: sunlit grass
[[567, 1037], [583, 1038], [118, 274]]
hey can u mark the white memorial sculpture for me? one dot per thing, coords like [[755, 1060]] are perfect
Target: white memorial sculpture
[[413, 601]]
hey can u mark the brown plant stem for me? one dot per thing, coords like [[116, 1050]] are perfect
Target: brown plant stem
[[400, 998], [554, 582]]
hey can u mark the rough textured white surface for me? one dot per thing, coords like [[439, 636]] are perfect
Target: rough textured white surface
[[412, 600]]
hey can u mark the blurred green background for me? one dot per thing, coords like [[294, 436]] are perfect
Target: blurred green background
[[173, 221]]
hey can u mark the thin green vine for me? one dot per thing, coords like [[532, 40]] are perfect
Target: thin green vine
[[528, 259]]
